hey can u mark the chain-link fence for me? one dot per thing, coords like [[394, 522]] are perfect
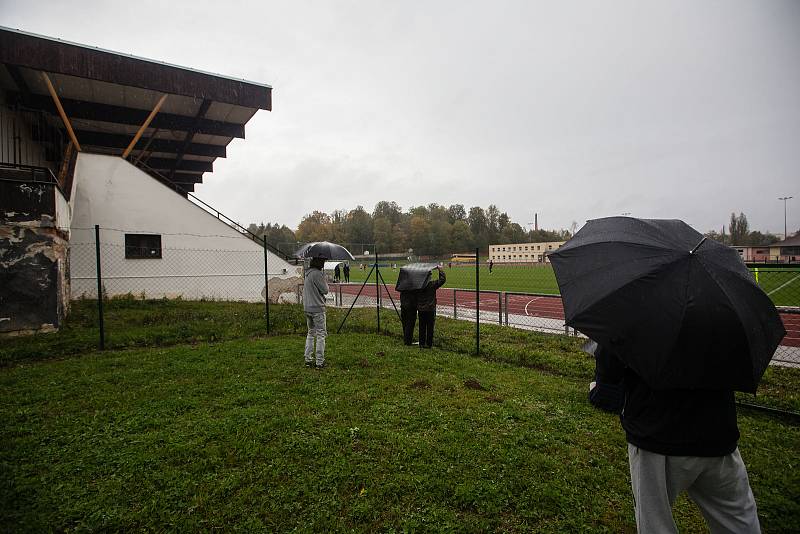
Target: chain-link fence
[[526, 296], [119, 263]]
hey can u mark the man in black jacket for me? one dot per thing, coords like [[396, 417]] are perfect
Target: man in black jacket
[[426, 304], [678, 440]]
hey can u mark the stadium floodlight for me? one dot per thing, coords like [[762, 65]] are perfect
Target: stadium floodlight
[[785, 235]]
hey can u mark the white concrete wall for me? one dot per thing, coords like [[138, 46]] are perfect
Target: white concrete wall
[[202, 257]]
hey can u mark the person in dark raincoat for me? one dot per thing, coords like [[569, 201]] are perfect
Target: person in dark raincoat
[[426, 306], [346, 270], [336, 273], [678, 440]]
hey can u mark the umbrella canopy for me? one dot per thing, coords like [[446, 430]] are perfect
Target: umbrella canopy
[[324, 249], [414, 276], [681, 310]]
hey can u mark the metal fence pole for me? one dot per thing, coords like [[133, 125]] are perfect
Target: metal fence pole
[[500, 308], [266, 284], [341, 300], [455, 313], [505, 307], [477, 303], [99, 287], [377, 291]]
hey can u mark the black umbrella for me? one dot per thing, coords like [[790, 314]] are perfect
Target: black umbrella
[[414, 276], [681, 310], [324, 249]]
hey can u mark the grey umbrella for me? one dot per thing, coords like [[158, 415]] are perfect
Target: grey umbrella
[[414, 276], [324, 249]]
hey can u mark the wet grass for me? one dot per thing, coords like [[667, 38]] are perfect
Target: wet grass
[[221, 427]]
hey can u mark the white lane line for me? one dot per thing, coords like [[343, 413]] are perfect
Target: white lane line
[[534, 299], [783, 285]]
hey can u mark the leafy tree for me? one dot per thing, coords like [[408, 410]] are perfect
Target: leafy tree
[[420, 230], [461, 239], [382, 232], [358, 226], [739, 229], [477, 221], [455, 213], [440, 237], [314, 227], [388, 210]]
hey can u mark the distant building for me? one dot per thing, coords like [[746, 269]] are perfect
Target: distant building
[[523, 252]]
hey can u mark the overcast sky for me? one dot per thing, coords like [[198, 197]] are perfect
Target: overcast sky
[[573, 110]]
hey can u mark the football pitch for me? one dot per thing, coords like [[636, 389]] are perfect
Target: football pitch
[[782, 285]]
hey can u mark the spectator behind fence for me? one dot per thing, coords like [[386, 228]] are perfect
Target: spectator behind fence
[[408, 314], [314, 290], [426, 305], [346, 269], [678, 440]]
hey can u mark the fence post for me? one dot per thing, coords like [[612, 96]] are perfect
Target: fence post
[[500, 308], [377, 290], [505, 307], [266, 284], [455, 313], [341, 300], [477, 302], [99, 287]]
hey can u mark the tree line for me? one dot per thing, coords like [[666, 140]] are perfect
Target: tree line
[[437, 230], [739, 233], [434, 230]]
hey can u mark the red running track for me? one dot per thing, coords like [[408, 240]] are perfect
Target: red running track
[[546, 307]]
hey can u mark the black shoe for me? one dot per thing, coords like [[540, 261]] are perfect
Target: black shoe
[[310, 365], [322, 366]]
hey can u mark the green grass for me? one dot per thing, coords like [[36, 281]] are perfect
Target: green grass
[[216, 426], [522, 279], [782, 285]]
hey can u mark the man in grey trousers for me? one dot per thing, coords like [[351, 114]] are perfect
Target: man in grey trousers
[[314, 290]]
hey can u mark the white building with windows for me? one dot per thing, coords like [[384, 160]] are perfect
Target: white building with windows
[[523, 252]]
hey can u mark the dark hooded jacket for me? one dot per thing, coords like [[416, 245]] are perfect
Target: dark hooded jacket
[[672, 422], [426, 297]]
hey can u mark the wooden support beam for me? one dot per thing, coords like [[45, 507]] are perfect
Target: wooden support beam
[[64, 118], [152, 143], [187, 165], [94, 111], [144, 126], [201, 112]]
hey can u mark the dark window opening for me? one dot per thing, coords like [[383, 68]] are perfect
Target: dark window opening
[[139, 246]]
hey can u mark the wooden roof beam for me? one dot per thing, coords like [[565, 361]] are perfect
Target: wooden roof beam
[[201, 112], [143, 127], [92, 111], [61, 112]]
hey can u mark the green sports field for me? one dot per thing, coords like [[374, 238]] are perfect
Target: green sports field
[[782, 285]]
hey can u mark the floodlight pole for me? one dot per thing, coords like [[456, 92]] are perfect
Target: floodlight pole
[[785, 233]]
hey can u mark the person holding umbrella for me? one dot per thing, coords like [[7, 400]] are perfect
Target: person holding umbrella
[[680, 325], [426, 305], [314, 290]]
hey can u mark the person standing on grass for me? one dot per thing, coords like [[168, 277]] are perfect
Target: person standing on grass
[[337, 274], [314, 290], [408, 314], [491, 264], [426, 305], [346, 270], [678, 440]]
